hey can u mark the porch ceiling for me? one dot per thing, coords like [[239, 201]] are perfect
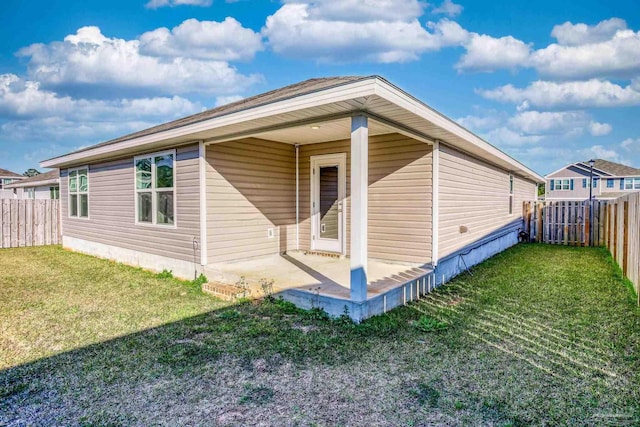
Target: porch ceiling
[[321, 131]]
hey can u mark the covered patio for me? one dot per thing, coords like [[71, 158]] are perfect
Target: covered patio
[[316, 274]]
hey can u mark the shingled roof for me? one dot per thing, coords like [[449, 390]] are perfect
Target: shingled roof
[[297, 89], [615, 169], [8, 174], [43, 178]]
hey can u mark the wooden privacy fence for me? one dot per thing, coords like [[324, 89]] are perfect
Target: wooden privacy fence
[[566, 222], [29, 223], [611, 223]]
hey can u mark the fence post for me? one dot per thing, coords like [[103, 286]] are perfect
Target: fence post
[[625, 237], [539, 230]]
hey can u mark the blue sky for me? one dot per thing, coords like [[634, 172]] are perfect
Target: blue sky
[[548, 82]]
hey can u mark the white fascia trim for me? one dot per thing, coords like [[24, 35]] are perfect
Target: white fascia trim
[[344, 92], [402, 99], [202, 167]]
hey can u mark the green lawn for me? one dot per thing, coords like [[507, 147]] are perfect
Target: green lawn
[[539, 335]]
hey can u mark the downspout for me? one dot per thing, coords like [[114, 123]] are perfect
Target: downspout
[[297, 197], [435, 203]]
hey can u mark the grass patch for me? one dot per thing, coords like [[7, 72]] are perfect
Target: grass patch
[[540, 335]]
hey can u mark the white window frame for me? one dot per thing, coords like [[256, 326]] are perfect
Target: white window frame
[[566, 184], [154, 191], [628, 183], [78, 193], [31, 192], [610, 181], [557, 185]]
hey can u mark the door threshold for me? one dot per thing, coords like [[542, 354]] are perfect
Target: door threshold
[[336, 255]]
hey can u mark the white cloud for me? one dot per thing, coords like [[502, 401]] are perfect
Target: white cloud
[[503, 136], [30, 111], [224, 100], [565, 123], [487, 121], [590, 93], [362, 10], [89, 58], [384, 32], [614, 57], [601, 152], [570, 34], [222, 41], [599, 129], [449, 8], [486, 53], [155, 4], [631, 145]]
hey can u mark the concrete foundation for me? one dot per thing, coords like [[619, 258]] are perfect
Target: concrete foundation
[[179, 268]]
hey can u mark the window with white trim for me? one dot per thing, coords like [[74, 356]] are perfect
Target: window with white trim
[[155, 188], [558, 184], [609, 183], [54, 192], [31, 192], [79, 192], [632, 183]]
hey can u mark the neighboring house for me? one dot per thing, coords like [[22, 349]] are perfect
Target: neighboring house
[[609, 181], [42, 186], [351, 165], [6, 178]]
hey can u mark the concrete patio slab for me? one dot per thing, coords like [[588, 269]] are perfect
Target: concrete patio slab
[[316, 274]]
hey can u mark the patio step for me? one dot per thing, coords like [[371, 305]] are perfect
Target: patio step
[[225, 291], [325, 254]]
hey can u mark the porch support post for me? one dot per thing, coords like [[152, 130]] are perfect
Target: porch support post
[[359, 206]]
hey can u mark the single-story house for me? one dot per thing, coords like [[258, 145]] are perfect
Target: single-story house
[[7, 177], [41, 187], [347, 192], [608, 181]]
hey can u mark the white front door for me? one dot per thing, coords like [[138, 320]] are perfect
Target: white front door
[[328, 193]]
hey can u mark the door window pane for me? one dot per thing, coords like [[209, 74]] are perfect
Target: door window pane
[[143, 173], [164, 171], [144, 207], [329, 202], [165, 207]]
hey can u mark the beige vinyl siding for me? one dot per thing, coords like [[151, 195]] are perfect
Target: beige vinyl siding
[[474, 195], [250, 188], [399, 196], [112, 208]]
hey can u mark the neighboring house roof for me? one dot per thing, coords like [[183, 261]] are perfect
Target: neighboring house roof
[[8, 174], [46, 178], [601, 167], [274, 114], [615, 169]]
